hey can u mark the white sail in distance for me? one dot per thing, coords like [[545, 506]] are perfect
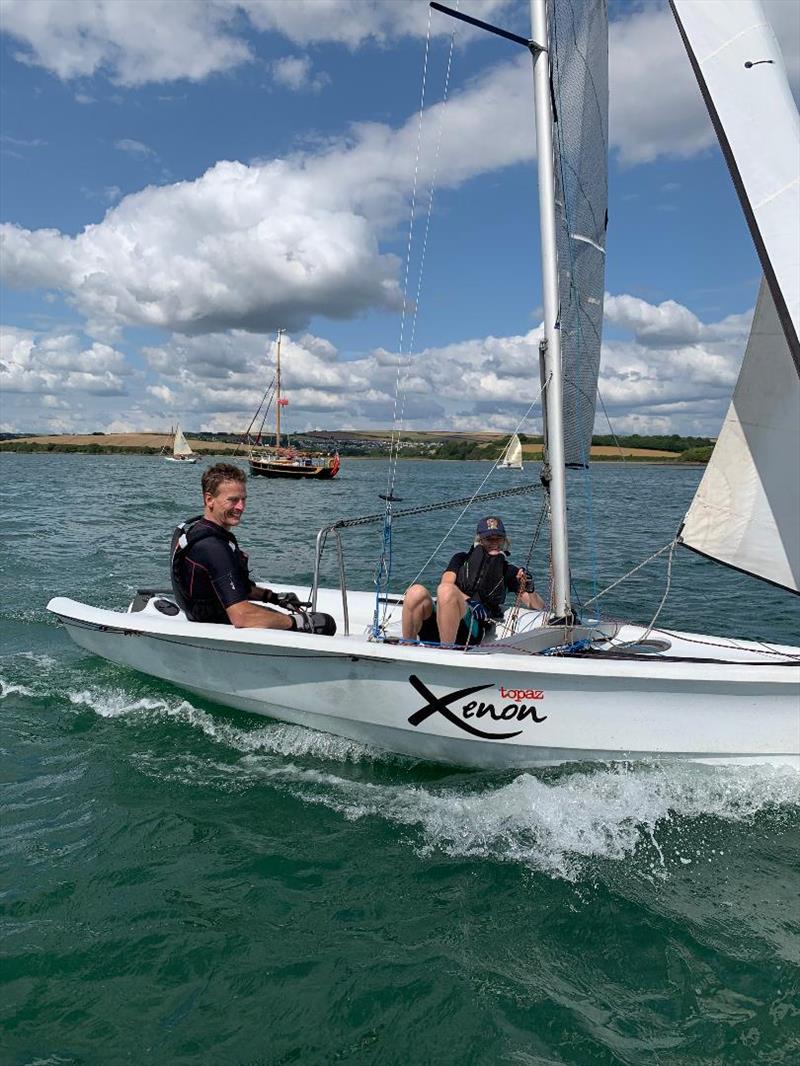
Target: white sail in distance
[[511, 458], [180, 445], [746, 512]]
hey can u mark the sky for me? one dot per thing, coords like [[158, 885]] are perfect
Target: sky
[[178, 180]]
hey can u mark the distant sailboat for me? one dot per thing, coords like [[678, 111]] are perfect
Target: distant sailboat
[[286, 462], [181, 452], [511, 458]]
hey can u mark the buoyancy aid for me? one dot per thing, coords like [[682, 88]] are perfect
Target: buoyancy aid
[[185, 536], [482, 576]]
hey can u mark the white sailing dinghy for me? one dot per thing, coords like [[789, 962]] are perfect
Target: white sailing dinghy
[[552, 690], [511, 459], [181, 451]]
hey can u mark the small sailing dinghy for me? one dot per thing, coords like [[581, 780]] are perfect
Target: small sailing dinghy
[[549, 688], [181, 452], [511, 459]]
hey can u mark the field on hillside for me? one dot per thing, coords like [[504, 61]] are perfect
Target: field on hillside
[[137, 441]]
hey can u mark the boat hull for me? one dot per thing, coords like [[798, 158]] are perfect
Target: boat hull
[[491, 711], [277, 470]]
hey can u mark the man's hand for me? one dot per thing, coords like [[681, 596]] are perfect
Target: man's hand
[[478, 611], [288, 601]]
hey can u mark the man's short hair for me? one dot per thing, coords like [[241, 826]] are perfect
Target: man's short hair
[[215, 475]]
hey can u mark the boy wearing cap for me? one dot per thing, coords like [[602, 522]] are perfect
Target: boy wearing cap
[[471, 593]]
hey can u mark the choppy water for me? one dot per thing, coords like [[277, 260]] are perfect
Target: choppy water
[[180, 883]]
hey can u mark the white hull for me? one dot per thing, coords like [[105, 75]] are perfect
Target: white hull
[[188, 460], [531, 709]]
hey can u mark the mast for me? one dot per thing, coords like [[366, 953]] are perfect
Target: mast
[[554, 473], [278, 391], [553, 391]]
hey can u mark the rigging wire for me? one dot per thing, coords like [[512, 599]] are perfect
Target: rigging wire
[[384, 567], [467, 503]]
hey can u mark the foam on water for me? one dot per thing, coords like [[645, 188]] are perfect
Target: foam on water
[[277, 738], [554, 822], [553, 826], [8, 688]]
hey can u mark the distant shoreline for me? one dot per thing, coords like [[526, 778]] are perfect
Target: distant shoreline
[[357, 445]]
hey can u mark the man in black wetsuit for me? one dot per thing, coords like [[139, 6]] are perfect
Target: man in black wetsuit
[[210, 573], [471, 593]]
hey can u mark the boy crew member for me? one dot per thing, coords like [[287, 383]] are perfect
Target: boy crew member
[[471, 594]]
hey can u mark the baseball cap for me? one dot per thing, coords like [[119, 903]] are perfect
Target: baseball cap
[[491, 527]]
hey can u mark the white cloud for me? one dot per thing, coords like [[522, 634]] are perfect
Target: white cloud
[[674, 374], [294, 72], [134, 148], [269, 245], [47, 365], [134, 43]]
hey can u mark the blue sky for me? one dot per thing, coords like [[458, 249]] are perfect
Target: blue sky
[[180, 179]]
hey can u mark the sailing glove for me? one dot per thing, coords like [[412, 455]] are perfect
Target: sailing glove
[[525, 578], [315, 622], [477, 610], [288, 601]]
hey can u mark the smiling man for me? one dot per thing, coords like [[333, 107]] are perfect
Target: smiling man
[[211, 575], [471, 594]]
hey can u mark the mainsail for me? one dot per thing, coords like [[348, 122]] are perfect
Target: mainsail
[[511, 458], [746, 512], [180, 445], [578, 41]]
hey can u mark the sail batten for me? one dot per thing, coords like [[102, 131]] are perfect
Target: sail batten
[[746, 512]]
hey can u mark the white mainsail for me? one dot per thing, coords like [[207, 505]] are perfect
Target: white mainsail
[[511, 458], [180, 445], [746, 512]]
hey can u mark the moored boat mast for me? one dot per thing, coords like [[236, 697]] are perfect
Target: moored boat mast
[[278, 390]]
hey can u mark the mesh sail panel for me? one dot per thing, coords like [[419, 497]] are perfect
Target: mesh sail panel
[[578, 31]]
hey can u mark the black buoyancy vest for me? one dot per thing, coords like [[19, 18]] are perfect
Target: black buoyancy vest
[[482, 576], [185, 536]]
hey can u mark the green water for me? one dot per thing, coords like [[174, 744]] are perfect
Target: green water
[[180, 883]]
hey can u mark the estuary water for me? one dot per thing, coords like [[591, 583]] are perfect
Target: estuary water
[[181, 883]]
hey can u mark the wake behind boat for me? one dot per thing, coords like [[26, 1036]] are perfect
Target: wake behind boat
[[551, 687]]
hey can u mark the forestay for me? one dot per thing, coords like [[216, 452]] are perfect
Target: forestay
[[578, 44], [746, 512]]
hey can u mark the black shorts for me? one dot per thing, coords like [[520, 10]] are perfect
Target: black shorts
[[470, 631]]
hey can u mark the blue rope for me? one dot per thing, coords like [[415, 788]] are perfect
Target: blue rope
[[384, 570], [568, 649]]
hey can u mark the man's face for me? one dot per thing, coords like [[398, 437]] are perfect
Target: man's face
[[227, 507], [493, 543]]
